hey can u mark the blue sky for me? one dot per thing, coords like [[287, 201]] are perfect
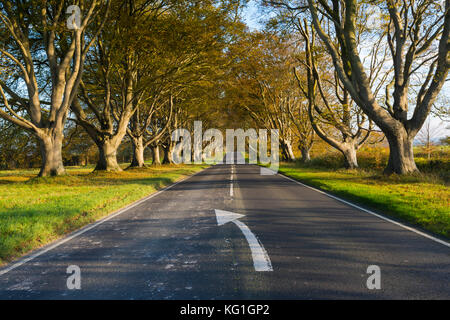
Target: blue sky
[[251, 15]]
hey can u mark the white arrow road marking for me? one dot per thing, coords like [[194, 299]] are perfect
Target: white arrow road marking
[[261, 260]]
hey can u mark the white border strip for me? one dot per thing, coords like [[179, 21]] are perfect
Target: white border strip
[[370, 212], [90, 226]]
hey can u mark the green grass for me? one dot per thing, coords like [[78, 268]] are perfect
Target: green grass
[[420, 200], [35, 211], [376, 158]]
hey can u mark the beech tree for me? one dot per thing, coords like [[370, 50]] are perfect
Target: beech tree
[[45, 63], [333, 115], [417, 35], [146, 128], [264, 86], [115, 81], [187, 53], [304, 130]]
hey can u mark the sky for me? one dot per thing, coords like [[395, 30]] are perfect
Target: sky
[[252, 17]]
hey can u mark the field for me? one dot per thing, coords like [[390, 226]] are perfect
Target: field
[[374, 159], [36, 211], [422, 200]]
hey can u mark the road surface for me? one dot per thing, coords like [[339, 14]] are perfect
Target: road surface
[[171, 247]]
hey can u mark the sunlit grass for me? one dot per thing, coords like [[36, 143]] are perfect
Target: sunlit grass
[[35, 211], [420, 200]]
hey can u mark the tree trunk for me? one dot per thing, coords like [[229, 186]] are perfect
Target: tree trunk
[[284, 156], [155, 155], [305, 154], [167, 154], [401, 155], [428, 149], [138, 153], [288, 153], [107, 157], [351, 161], [51, 152]]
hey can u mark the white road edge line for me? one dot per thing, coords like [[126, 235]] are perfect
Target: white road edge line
[[371, 212], [89, 227]]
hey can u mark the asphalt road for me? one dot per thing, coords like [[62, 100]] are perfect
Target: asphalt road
[[171, 247]]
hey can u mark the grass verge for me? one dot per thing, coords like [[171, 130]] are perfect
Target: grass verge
[[418, 200], [36, 211]]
